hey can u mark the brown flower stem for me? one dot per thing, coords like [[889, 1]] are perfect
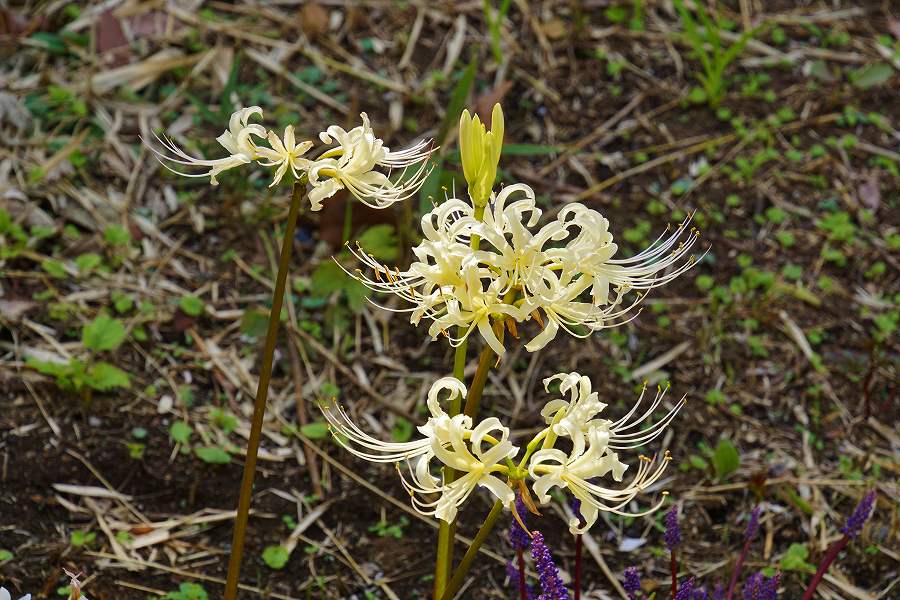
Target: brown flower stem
[[262, 394], [823, 566], [466, 562]]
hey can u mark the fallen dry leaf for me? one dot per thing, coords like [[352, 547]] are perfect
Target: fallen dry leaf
[[313, 20]]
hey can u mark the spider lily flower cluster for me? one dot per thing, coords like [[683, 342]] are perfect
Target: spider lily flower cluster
[[483, 456], [355, 160], [479, 265]]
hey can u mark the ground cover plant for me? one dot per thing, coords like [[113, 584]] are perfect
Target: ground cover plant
[[514, 252]]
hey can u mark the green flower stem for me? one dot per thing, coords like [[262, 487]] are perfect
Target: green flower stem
[[348, 221], [532, 447], [466, 562], [473, 398], [262, 393], [446, 531]]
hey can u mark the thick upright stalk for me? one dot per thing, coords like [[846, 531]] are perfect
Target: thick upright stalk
[[262, 393], [823, 566], [457, 580], [473, 398], [444, 560]]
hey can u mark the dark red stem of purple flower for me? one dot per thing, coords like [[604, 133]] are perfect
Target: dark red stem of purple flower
[[674, 567], [737, 569], [578, 545], [523, 593], [823, 566]]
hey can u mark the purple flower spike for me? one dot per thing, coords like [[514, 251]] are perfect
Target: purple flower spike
[[673, 530], [769, 589], [860, 515], [753, 587], [753, 524], [719, 593], [685, 590], [552, 586], [632, 582], [701, 594], [518, 537]]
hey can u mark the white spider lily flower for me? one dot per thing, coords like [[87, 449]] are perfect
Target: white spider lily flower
[[285, 153], [476, 453], [554, 468], [352, 162], [357, 442], [575, 417], [237, 140], [475, 462], [563, 274], [646, 270], [558, 297], [5, 595], [572, 418], [594, 442]]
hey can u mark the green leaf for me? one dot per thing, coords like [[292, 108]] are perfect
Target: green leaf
[[327, 279], [529, 150], [104, 376], [116, 235], [872, 75], [356, 295], [180, 432], [315, 431], [88, 262], [795, 559], [213, 455], [698, 462], [402, 431], [726, 459], [224, 420], [381, 242], [49, 368], [187, 591], [80, 538], [5, 555], [191, 305], [103, 333], [54, 268], [254, 323], [275, 557]]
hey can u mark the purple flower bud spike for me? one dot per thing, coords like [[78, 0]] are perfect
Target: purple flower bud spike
[[632, 582], [685, 590], [701, 594], [673, 530], [860, 515], [753, 524], [518, 537], [851, 530], [552, 586]]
